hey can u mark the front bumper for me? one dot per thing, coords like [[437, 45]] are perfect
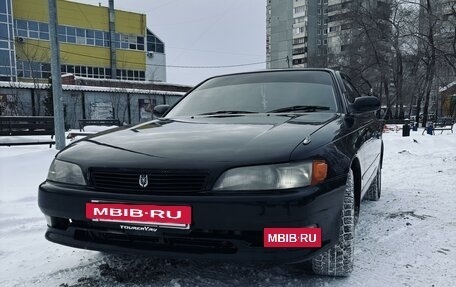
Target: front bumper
[[223, 226]]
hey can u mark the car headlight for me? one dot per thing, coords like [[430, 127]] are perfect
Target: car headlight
[[277, 176], [65, 172]]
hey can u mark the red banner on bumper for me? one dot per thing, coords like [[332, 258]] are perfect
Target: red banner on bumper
[[292, 237], [145, 213]]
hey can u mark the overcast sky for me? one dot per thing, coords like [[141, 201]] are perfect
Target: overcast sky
[[204, 33]]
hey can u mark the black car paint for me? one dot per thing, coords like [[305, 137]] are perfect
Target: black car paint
[[216, 144]]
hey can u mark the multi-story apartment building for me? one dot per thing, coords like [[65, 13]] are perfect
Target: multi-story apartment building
[[296, 33], [309, 33], [86, 48]]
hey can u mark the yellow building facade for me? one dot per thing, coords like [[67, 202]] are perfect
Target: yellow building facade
[[85, 47]]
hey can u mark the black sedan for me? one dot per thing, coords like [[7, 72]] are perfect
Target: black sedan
[[268, 165]]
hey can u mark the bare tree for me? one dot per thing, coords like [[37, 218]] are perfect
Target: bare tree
[[394, 48], [32, 57], [425, 34], [11, 103], [119, 108], [366, 56]]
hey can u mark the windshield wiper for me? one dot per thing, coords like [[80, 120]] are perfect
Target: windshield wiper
[[299, 108], [227, 112]]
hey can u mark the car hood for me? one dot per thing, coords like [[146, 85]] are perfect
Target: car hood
[[247, 138]]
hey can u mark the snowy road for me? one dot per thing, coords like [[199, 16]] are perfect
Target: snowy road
[[408, 238]]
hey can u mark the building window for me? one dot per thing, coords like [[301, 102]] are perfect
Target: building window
[[36, 70], [44, 31], [299, 61], [27, 69], [99, 38], [131, 42], [71, 34], [21, 28], [298, 41], [7, 54], [68, 34], [80, 36], [131, 75], [300, 9], [90, 37], [33, 31], [345, 26], [299, 30], [299, 51], [299, 19], [154, 44]]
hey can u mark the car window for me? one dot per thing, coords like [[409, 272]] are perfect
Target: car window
[[351, 93], [259, 93]]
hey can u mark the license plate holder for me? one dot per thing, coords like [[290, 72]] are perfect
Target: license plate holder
[[157, 215]]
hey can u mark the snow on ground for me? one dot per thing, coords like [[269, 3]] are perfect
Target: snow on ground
[[405, 239]]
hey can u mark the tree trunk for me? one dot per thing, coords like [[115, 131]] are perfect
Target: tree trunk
[[396, 108], [389, 112], [411, 107], [32, 97], [418, 106], [430, 71], [400, 80]]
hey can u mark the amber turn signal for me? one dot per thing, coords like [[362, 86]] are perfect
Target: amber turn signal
[[319, 171]]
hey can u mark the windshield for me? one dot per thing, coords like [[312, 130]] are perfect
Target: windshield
[[273, 92]]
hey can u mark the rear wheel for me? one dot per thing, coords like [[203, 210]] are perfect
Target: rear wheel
[[375, 189], [338, 260]]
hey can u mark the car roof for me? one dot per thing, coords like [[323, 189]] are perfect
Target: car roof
[[276, 70]]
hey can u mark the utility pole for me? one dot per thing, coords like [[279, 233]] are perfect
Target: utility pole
[[112, 39], [59, 125]]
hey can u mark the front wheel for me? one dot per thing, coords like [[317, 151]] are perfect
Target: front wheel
[[338, 260]]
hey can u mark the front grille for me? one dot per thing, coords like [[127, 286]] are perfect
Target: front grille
[[158, 181]]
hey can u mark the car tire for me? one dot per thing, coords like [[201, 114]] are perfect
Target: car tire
[[338, 260], [375, 189]]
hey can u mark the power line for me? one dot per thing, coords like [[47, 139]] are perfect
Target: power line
[[161, 6], [155, 34], [214, 51], [156, 65], [211, 26]]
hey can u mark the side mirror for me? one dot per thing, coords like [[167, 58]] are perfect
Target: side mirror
[[160, 110], [365, 104]]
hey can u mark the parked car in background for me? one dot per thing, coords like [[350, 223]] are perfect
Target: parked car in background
[[238, 155]]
